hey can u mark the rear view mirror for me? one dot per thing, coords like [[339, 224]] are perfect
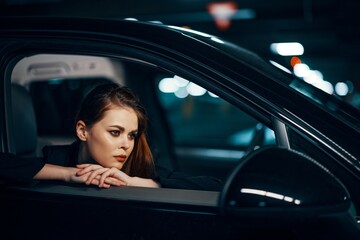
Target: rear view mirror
[[276, 184]]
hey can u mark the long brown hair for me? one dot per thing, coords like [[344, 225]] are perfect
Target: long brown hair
[[104, 97]]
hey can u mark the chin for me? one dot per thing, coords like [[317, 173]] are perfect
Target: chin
[[118, 165]]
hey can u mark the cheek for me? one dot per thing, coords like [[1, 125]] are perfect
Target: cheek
[[101, 140], [100, 148], [132, 145]]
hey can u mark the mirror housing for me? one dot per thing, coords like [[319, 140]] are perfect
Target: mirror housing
[[275, 184]]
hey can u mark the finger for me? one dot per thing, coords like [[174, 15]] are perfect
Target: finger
[[112, 181], [109, 174], [115, 182], [96, 182], [104, 176], [87, 169], [95, 173], [84, 165], [81, 167], [92, 176]]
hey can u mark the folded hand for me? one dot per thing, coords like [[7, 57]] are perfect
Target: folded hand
[[97, 175]]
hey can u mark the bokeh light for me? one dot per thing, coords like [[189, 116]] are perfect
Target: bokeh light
[[341, 89]]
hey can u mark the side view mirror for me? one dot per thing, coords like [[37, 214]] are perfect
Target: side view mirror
[[276, 184]]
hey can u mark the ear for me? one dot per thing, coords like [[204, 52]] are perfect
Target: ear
[[81, 130]]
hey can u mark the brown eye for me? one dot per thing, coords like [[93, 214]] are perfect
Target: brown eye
[[115, 133], [132, 136]]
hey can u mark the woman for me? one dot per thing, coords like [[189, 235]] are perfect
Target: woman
[[111, 148]]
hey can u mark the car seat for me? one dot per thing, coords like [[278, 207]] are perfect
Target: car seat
[[24, 122]]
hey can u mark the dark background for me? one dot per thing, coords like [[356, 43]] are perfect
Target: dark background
[[329, 30]]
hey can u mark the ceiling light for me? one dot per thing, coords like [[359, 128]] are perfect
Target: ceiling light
[[287, 48]]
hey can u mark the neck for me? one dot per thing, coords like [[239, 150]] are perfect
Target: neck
[[83, 155]]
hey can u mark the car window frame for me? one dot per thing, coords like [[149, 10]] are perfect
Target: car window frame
[[102, 49], [35, 45]]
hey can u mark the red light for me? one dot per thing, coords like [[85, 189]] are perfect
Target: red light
[[294, 61], [222, 13]]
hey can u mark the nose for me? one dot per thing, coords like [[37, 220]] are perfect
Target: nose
[[124, 142]]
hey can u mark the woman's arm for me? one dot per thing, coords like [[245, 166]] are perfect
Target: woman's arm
[[142, 182], [55, 172], [15, 168], [69, 174], [25, 170]]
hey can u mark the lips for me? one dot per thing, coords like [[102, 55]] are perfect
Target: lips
[[121, 158]]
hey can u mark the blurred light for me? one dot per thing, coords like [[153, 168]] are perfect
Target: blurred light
[[275, 195], [287, 48], [213, 95], [195, 90], [156, 21], [222, 13], [313, 76], [280, 66], [269, 194], [294, 61], [301, 70], [168, 85], [216, 40], [187, 29], [180, 82], [181, 93], [325, 86], [131, 19], [253, 191], [181, 87], [341, 89], [191, 31]]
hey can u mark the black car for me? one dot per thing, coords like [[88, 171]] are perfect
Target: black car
[[287, 152]]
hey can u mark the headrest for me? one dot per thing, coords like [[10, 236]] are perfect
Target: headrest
[[24, 121]]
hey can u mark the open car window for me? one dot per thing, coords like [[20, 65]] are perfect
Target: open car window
[[210, 135], [191, 129]]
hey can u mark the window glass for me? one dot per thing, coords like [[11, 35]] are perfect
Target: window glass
[[331, 102], [200, 118], [210, 135]]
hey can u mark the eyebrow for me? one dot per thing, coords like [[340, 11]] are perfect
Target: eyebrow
[[122, 128]]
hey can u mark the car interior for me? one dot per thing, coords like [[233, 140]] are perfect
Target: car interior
[[190, 129]]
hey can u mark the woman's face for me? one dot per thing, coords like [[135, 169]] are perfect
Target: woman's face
[[111, 140]]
